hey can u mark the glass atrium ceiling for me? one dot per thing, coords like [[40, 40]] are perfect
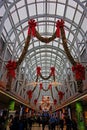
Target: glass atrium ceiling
[[14, 17]]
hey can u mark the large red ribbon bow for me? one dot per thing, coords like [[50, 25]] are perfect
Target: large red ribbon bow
[[11, 66], [79, 71], [61, 94], [59, 24], [31, 29]]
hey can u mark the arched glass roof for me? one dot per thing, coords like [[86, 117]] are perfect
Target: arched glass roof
[[14, 16]]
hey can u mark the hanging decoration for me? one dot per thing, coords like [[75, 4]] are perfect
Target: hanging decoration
[[52, 71], [31, 29], [41, 86], [11, 66], [33, 32], [61, 94], [59, 24], [29, 93], [55, 101], [79, 71], [35, 101], [38, 69]]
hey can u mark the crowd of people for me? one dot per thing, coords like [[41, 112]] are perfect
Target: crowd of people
[[45, 119]]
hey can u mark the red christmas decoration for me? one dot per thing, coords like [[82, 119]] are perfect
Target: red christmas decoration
[[35, 101], [31, 29], [55, 101], [38, 69], [79, 71], [50, 86], [52, 71], [29, 93], [41, 86], [11, 66], [59, 24], [61, 94]]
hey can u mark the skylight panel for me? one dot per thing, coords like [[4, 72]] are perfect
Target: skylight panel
[[61, 47], [12, 9], [72, 3], [42, 43], [84, 25], [2, 11], [70, 12], [51, 8], [7, 25], [40, 8], [80, 37], [21, 37], [71, 37], [77, 17], [22, 13], [36, 44], [29, 1], [61, 1], [24, 24], [15, 17], [30, 46], [41, 29], [20, 3], [80, 8], [12, 37], [60, 9], [32, 10], [50, 28]]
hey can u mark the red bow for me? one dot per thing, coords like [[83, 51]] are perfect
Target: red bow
[[11, 66], [35, 101], [29, 93], [79, 71], [31, 29], [38, 70], [61, 94], [55, 101], [59, 24]]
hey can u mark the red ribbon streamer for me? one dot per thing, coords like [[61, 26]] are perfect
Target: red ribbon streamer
[[41, 86], [52, 71], [50, 86], [29, 93], [79, 71], [59, 24], [31, 29], [38, 70], [11, 66]]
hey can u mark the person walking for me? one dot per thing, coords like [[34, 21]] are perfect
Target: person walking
[[61, 124]]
